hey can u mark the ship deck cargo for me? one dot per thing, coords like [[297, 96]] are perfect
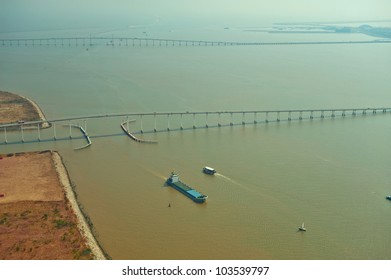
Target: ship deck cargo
[[196, 196]]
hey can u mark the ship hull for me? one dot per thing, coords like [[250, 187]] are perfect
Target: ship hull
[[187, 191]]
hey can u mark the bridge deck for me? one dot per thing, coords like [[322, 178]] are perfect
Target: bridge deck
[[342, 111], [230, 118], [111, 41]]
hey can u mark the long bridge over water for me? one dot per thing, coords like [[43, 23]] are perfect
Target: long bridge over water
[[157, 122], [146, 41]]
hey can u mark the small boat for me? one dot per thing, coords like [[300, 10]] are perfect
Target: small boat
[[302, 228], [388, 197], [208, 170]]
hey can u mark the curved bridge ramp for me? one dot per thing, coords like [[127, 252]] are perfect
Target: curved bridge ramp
[[126, 130], [84, 132]]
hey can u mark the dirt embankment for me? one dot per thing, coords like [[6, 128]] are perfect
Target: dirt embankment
[[37, 219], [39, 215]]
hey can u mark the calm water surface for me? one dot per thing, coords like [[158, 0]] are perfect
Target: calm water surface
[[333, 174]]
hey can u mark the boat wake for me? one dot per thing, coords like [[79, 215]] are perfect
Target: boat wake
[[232, 181], [227, 178]]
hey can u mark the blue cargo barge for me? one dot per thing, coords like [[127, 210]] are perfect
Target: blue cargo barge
[[174, 182]]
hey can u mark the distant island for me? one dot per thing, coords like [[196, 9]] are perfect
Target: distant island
[[382, 32], [379, 32]]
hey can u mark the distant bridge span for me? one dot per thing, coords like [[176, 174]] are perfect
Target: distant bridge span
[[145, 41], [170, 121]]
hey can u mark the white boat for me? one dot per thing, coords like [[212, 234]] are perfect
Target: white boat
[[302, 228], [209, 170]]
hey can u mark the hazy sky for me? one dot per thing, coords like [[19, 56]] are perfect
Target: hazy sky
[[41, 14]]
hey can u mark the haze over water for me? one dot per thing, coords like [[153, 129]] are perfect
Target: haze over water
[[333, 174]]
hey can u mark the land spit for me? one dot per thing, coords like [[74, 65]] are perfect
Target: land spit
[[16, 108]]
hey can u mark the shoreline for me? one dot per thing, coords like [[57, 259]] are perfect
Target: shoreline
[[39, 111], [70, 197], [19, 112], [82, 224], [40, 217]]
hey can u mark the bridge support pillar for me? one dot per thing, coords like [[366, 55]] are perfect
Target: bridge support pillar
[[231, 123], [141, 123], [354, 113], [243, 119], [206, 120], [21, 130], [255, 118], [343, 113], [194, 126], [312, 115], [154, 120], [70, 130], [300, 115], [168, 122], [267, 117], [54, 131], [5, 135], [333, 114], [39, 133], [278, 116], [219, 123], [289, 116]]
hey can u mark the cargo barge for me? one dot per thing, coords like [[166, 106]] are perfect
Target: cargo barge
[[174, 182]]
